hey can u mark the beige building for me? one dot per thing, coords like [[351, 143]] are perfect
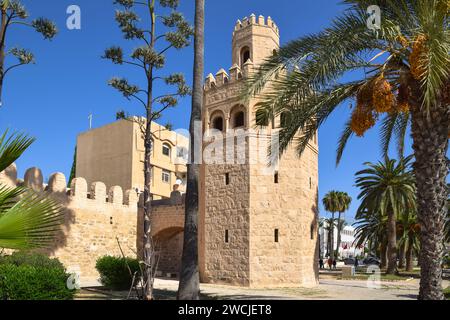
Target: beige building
[[114, 154]]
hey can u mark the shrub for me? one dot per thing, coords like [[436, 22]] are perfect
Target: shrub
[[26, 282], [33, 276], [20, 258], [114, 273]]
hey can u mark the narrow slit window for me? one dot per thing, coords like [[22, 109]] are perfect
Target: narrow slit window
[[277, 235], [227, 179], [276, 178], [227, 236]]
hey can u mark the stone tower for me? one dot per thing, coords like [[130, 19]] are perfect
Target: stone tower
[[258, 224]]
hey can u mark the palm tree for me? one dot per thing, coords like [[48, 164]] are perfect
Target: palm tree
[[27, 220], [409, 230], [371, 231], [387, 188], [331, 204], [189, 287], [404, 66], [344, 204]]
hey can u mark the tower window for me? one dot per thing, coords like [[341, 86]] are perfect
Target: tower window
[[227, 236], [218, 123], [284, 119], [239, 119], [262, 119], [245, 55], [276, 178], [277, 235], [227, 179], [310, 183]]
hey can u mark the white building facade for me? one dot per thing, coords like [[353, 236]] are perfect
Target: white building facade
[[347, 248]]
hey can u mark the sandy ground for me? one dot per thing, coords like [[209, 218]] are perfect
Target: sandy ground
[[328, 289]]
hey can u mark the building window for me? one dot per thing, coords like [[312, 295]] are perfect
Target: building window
[[166, 150], [276, 178], [277, 235], [166, 176], [227, 179], [218, 123], [310, 183], [239, 119], [227, 236]]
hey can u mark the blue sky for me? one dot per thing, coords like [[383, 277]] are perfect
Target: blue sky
[[52, 99]]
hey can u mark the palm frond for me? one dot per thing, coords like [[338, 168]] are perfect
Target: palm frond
[[32, 222], [12, 147]]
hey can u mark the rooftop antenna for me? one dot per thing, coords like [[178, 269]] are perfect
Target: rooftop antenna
[[90, 120]]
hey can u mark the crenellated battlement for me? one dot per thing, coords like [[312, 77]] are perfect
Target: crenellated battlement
[[256, 21], [78, 194], [223, 78]]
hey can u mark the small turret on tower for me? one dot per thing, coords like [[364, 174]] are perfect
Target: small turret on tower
[[254, 39]]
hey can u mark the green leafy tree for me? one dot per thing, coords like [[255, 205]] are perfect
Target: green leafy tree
[[158, 34], [14, 13], [387, 188], [189, 287], [27, 220], [404, 68]]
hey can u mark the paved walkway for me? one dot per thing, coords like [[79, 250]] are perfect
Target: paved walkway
[[328, 289]]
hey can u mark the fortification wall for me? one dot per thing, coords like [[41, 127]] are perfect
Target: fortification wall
[[94, 219]]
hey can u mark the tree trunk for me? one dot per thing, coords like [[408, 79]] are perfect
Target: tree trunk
[[2, 50], [332, 237], [189, 286], [149, 254], [430, 143], [392, 244], [383, 251], [409, 258], [401, 256], [339, 226]]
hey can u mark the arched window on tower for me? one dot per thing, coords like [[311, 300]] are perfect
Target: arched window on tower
[[239, 119], [245, 55], [217, 123]]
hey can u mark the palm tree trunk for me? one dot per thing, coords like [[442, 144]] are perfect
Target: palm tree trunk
[[409, 258], [401, 256], [189, 287], [332, 237], [339, 226], [392, 244], [430, 134], [383, 251]]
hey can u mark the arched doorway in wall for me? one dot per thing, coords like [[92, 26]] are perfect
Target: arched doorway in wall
[[169, 249]]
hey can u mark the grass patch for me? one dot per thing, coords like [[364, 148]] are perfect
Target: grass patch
[[447, 293], [383, 277]]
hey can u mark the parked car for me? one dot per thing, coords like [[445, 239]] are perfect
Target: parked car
[[349, 261], [371, 260]]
